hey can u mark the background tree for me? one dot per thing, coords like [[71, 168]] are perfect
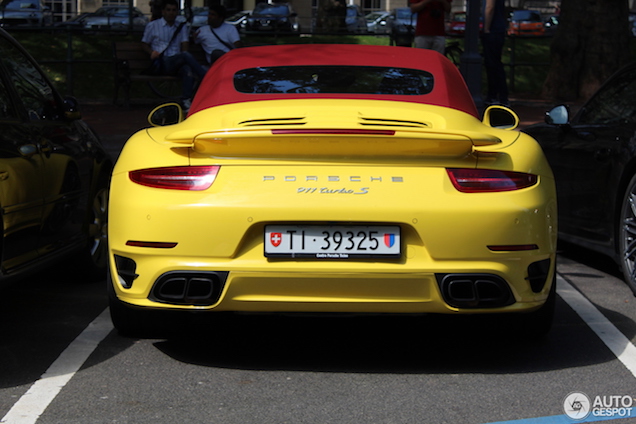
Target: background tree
[[591, 43]]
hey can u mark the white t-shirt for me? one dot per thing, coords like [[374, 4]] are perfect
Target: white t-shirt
[[159, 34], [209, 42]]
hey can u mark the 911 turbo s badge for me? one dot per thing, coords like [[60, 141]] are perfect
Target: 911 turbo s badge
[[372, 180], [325, 190]]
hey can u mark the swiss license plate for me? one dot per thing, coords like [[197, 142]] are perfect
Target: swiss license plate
[[332, 242]]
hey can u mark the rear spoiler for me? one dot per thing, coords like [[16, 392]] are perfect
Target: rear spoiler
[[329, 142]]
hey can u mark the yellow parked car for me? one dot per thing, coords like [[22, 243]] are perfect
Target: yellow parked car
[[54, 175], [355, 179]]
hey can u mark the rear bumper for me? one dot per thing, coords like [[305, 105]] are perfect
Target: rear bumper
[[470, 288], [443, 233]]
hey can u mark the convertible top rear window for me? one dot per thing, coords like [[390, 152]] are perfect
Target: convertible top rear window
[[334, 80]]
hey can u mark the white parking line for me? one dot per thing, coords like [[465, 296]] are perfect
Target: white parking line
[[620, 345], [32, 404]]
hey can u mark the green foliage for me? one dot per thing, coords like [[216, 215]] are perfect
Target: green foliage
[[527, 61]]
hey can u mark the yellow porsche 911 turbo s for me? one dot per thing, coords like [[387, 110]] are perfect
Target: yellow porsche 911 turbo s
[[351, 179]]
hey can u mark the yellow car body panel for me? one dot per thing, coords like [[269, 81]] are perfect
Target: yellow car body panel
[[226, 232], [333, 163]]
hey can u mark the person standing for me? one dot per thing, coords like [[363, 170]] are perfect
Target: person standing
[[218, 37], [492, 40], [429, 30], [167, 43]]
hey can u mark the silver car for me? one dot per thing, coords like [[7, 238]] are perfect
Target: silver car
[[114, 17], [377, 22], [25, 12]]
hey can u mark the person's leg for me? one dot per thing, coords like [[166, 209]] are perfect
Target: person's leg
[[489, 53], [171, 64], [194, 65], [181, 65], [500, 72], [439, 44], [187, 81], [496, 75], [423, 42]]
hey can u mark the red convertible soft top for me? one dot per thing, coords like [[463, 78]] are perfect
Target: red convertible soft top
[[449, 89]]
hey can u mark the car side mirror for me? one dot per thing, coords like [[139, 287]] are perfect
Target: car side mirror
[[166, 114], [559, 115], [72, 109], [500, 117]]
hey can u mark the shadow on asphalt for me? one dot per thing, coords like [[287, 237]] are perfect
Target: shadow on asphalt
[[589, 258], [408, 345], [427, 344], [40, 316]]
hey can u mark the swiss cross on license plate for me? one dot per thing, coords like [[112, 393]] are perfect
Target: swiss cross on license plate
[[332, 242]]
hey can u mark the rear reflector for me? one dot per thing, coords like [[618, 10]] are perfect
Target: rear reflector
[[152, 244], [177, 178], [513, 247], [489, 180]]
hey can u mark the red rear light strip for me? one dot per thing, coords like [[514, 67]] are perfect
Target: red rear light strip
[[489, 180], [335, 131], [177, 178]]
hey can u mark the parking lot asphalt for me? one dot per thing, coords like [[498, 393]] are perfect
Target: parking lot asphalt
[[115, 124]]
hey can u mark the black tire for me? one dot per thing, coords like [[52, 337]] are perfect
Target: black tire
[[626, 237], [143, 323], [538, 323], [454, 53], [128, 322], [170, 89], [94, 257]]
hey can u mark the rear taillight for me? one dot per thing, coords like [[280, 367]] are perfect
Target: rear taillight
[[489, 180], [177, 178]]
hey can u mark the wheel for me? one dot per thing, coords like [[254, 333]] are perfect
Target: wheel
[[454, 53], [170, 89], [127, 321], [627, 235], [94, 257], [143, 323], [98, 230]]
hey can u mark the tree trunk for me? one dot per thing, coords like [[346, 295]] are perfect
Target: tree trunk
[[591, 43]]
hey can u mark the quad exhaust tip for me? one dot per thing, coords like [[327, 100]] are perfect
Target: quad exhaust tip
[[475, 290], [189, 288]]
